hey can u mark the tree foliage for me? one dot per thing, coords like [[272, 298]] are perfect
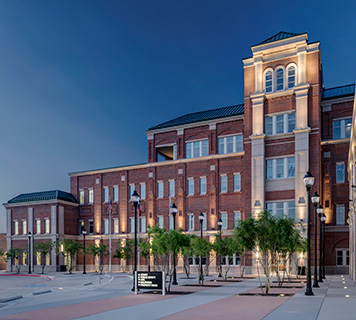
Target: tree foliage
[[69, 248], [43, 248], [99, 251], [14, 254]]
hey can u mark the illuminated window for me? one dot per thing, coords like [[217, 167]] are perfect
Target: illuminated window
[[91, 196], [16, 227], [24, 226], [81, 197], [38, 226], [47, 225]]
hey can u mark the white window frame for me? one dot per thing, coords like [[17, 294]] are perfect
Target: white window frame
[[237, 217], [190, 186], [340, 165], [291, 65], [203, 186], [283, 78], [345, 253], [342, 122], [142, 190], [274, 167], [190, 222], [116, 193], [286, 120], [160, 221], [340, 214], [201, 153], [106, 194], [171, 188], [116, 225], [38, 226], [81, 197], [143, 225], [224, 218], [106, 226], [286, 207], [16, 227], [160, 189], [223, 183], [237, 182], [264, 80], [132, 188], [24, 226], [132, 224], [234, 141], [91, 196], [47, 223], [205, 221]]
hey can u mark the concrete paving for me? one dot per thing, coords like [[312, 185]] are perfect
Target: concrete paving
[[81, 296]]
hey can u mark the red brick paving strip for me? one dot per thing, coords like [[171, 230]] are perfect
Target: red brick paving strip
[[236, 307]]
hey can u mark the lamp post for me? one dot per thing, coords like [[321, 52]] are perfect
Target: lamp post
[[320, 211], [29, 251], [315, 199], [135, 198], [174, 211], [201, 219], [220, 223], [84, 232], [308, 181], [323, 219]]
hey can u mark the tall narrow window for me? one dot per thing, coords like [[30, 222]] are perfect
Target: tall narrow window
[[160, 189], [279, 79], [116, 193], [81, 197], [202, 185], [268, 82], [224, 220], [291, 77], [291, 209], [38, 226], [132, 189], [291, 121], [340, 214], [279, 210], [172, 190], [340, 172], [223, 183], [116, 225], [132, 225], [204, 222], [143, 191], [106, 194], [237, 182], [291, 167], [280, 123], [280, 168], [268, 125], [47, 225], [91, 196], [91, 227], [24, 226], [190, 222], [269, 169], [143, 224], [190, 186], [237, 218], [16, 227], [160, 222], [106, 226]]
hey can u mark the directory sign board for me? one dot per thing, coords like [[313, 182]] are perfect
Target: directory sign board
[[150, 280]]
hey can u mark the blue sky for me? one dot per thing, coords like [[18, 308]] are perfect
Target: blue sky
[[81, 81]]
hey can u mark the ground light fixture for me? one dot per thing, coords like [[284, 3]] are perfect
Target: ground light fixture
[[220, 223], [174, 211], [84, 233], [308, 181], [320, 211], [315, 199], [135, 199]]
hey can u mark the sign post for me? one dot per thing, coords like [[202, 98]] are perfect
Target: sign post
[[150, 280]]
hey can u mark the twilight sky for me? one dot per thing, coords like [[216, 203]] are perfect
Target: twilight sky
[[81, 81]]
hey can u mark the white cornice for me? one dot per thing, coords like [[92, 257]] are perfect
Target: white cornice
[[33, 203], [282, 44], [338, 141], [329, 102]]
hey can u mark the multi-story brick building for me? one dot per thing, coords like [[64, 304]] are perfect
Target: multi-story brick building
[[229, 162]]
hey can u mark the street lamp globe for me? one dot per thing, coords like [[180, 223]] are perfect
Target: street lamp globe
[[135, 198], [315, 198], [323, 217], [220, 223], [320, 211], [308, 180], [174, 209], [201, 216]]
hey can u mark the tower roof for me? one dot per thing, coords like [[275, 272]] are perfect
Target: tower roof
[[279, 36], [44, 196]]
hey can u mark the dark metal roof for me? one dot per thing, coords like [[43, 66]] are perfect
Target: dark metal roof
[[279, 36], [43, 196], [338, 92], [202, 116]]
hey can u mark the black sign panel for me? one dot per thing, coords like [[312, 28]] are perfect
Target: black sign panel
[[149, 280]]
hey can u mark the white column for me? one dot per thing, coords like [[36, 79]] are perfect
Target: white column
[[302, 65], [258, 74], [257, 175], [30, 220], [61, 220], [53, 233], [301, 96]]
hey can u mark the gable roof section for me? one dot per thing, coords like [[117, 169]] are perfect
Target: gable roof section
[[279, 36], [338, 92], [202, 116], [44, 196]]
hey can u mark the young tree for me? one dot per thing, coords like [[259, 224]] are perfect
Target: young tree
[[125, 250], [14, 254], [43, 248], [187, 252], [69, 248], [145, 251], [100, 251], [200, 248]]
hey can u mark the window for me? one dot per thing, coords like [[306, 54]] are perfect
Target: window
[[16, 227], [291, 77], [143, 191], [48, 259], [280, 168], [38, 226], [160, 222], [280, 79], [24, 226], [91, 196], [281, 208], [132, 189], [116, 193], [268, 81], [91, 227], [224, 220], [237, 182], [340, 214], [172, 190], [196, 149], [230, 144], [132, 225], [171, 226], [47, 225], [190, 186], [202, 185], [340, 172], [279, 124], [342, 128], [223, 183], [143, 224], [233, 260], [237, 218], [24, 258], [38, 258], [291, 209], [160, 189], [116, 225], [81, 226], [106, 194], [106, 226], [81, 197], [190, 222], [342, 257]]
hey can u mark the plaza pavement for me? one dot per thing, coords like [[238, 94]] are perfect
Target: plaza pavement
[[62, 296]]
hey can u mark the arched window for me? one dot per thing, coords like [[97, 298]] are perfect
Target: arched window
[[279, 79], [268, 81], [291, 77]]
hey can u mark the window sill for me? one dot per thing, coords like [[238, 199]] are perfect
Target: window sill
[[279, 136]]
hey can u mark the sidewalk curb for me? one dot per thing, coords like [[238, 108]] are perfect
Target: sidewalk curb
[[11, 298]]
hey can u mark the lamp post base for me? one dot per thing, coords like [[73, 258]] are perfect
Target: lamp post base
[[309, 293]]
